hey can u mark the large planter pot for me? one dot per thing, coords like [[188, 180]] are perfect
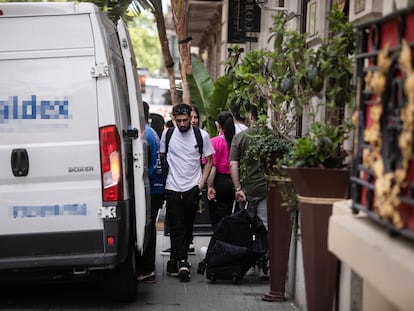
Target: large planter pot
[[317, 189], [279, 233]]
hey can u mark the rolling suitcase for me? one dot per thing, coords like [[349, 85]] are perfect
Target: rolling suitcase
[[238, 242]]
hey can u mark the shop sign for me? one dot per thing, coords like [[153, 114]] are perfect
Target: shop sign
[[244, 16]]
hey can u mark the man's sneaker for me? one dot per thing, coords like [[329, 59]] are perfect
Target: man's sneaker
[[172, 268], [184, 271], [147, 277], [166, 252], [191, 250], [263, 275]]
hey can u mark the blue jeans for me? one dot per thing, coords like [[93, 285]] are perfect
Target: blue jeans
[[258, 206]]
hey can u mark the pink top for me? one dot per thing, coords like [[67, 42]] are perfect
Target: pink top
[[221, 156]]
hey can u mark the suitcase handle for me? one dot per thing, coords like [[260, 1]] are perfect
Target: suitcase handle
[[235, 203]]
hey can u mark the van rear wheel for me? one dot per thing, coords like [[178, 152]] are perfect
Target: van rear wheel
[[121, 282]]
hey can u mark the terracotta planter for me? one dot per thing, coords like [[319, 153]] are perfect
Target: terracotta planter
[[279, 233], [317, 190]]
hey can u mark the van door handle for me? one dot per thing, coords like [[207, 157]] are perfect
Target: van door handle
[[20, 162], [130, 133]]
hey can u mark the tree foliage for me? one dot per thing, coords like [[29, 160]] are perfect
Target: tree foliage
[[156, 8], [145, 40]]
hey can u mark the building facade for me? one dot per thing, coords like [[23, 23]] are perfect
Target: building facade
[[246, 23]]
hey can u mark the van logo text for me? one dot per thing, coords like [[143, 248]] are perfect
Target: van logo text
[[80, 169], [33, 109]]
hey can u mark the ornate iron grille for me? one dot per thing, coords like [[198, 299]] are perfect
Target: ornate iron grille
[[382, 181]]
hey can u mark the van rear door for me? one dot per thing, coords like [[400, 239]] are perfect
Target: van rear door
[[141, 183], [49, 145]]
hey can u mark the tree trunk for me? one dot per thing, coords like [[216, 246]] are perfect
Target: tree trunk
[[168, 61], [179, 10], [155, 6]]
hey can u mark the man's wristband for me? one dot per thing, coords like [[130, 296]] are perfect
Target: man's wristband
[[238, 189]]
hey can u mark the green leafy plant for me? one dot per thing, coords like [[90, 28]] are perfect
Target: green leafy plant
[[208, 96], [297, 77], [320, 147], [267, 148], [252, 83], [290, 81], [325, 75]]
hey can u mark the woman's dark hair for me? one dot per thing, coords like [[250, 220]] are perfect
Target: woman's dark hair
[[146, 110], [169, 123], [235, 110], [195, 109], [225, 119], [157, 123]]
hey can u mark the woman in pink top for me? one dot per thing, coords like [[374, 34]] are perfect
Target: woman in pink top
[[220, 191]]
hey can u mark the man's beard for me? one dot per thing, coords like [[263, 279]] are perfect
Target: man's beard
[[183, 128]]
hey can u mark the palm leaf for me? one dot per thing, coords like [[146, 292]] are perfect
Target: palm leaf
[[209, 97], [220, 95], [201, 89]]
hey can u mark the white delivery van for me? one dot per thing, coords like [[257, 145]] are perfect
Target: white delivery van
[[73, 186]]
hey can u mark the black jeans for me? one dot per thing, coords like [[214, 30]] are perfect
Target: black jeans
[[181, 211], [223, 203]]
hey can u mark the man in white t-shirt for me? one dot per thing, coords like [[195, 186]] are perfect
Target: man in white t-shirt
[[183, 185]]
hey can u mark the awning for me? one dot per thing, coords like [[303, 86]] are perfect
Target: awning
[[201, 18]]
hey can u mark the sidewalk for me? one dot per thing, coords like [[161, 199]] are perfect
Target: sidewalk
[[168, 293]]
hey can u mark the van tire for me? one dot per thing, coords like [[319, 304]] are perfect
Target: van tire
[[121, 282]]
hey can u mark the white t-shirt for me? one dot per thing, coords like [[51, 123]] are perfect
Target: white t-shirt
[[183, 159], [239, 127]]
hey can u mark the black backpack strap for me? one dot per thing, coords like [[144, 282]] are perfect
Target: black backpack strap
[[168, 137], [164, 162], [199, 139]]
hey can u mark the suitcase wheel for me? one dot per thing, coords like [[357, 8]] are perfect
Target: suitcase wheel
[[212, 278]]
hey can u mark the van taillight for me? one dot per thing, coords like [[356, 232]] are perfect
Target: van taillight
[[111, 165]]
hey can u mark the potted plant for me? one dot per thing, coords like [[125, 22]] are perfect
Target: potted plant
[[317, 161], [252, 83], [321, 146], [270, 148], [292, 81]]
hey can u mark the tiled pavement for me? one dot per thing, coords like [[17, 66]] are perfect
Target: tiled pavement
[[168, 293]]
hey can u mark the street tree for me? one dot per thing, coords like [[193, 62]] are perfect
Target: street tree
[[180, 10], [145, 41], [155, 7]]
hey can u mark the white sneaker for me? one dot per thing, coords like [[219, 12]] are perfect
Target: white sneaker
[[191, 250], [166, 252], [184, 271], [147, 277]]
